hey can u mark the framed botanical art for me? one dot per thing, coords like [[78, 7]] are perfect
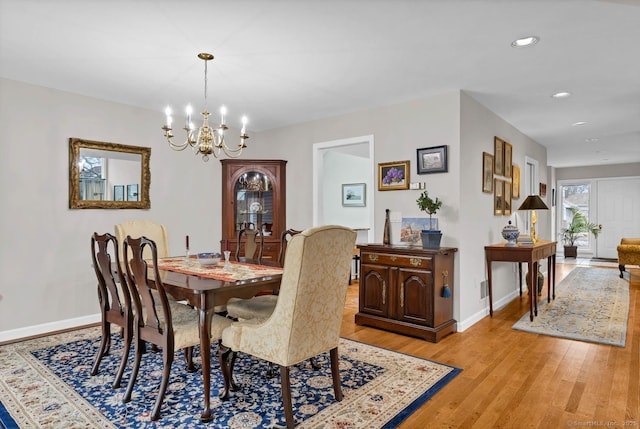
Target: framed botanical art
[[498, 197], [515, 182], [507, 159], [498, 156], [432, 160], [393, 175], [506, 206], [354, 194], [487, 172]]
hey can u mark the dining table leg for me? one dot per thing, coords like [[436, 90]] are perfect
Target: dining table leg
[[204, 319]]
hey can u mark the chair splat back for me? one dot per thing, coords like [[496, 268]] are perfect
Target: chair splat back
[[252, 242]]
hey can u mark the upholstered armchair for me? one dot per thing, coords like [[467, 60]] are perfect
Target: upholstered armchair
[[308, 314], [152, 230], [628, 253]]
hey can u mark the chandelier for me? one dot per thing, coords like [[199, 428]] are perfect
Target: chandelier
[[206, 140]]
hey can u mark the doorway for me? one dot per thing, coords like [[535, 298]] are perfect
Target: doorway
[[335, 164]]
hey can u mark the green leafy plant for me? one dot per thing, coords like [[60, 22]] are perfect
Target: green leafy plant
[[428, 205], [578, 227]]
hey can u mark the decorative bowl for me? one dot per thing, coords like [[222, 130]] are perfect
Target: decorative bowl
[[209, 258], [510, 233]]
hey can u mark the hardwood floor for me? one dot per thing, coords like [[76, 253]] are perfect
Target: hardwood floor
[[515, 379]]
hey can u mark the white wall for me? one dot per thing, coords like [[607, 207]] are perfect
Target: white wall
[[47, 274], [45, 255], [339, 169]]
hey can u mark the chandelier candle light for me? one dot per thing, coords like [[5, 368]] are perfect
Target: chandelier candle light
[[208, 140]]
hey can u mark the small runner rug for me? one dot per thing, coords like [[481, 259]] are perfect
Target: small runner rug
[[592, 304], [45, 383]]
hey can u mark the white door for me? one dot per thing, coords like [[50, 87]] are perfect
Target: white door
[[618, 213]]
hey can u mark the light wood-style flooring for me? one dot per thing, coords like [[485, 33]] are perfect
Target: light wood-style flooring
[[515, 379]]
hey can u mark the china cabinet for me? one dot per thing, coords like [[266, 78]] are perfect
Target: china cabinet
[[408, 290], [254, 196]]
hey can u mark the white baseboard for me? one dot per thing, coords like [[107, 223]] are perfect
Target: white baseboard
[[45, 328], [476, 317]]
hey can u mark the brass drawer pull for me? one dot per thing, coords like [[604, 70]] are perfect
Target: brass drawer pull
[[373, 258], [415, 262], [393, 258]]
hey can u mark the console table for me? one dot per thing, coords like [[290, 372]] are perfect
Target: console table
[[529, 254], [408, 290]]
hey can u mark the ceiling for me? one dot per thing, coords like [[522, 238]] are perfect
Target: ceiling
[[286, 62]]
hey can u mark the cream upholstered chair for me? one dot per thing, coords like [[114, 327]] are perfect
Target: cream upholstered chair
[[307, 318], [261, 306], [114, 298], [169, 325], [152, 230]]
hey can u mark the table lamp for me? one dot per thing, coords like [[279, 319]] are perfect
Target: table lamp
[[533, 203]]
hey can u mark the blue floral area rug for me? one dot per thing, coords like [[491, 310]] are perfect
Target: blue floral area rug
[[46, 383], [592, 304]]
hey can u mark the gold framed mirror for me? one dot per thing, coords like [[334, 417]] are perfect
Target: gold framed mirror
[[108, 175]]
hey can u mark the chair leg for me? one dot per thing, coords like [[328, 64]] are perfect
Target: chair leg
[[125, 358], [188, 357], [224, 359], [620, 266], [286, 396], [105, 345], [139, 345], [335, 374], [270, 371], [314, 364], [167, 357]]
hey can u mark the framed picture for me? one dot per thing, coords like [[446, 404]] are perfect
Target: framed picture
[[515, 181], [498, 156], [498, 197], [393, 175], [132, 192], [507, 159], [506, 207], [354, 194], [543, 189], [118, 193], [412, 227], [487, 172], [432, 160]]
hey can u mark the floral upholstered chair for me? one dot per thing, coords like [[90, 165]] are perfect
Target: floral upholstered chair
[[308, 314], [628, 253]]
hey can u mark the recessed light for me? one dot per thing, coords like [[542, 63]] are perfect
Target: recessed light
[[577, 124], [591, 139], [525, 41], [561, 94]]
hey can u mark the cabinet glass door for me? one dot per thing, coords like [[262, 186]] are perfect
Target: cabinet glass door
[[253, 193]]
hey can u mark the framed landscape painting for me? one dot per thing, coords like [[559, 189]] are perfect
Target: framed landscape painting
[[354, 194], [432, 160], [498, 156], [393, 175], [487, 172]]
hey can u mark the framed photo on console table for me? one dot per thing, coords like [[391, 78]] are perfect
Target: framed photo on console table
[[432, 160]]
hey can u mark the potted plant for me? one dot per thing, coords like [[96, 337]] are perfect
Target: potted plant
[[578, 227], [430, 237]]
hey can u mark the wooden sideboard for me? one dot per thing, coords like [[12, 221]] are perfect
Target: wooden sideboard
[[408, 290]]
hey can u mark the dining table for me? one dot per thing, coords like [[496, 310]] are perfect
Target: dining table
[[207, 286]]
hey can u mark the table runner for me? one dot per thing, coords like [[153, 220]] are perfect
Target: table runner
[[235, 271]]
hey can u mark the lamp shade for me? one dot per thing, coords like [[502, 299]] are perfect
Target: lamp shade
[[533, 202]]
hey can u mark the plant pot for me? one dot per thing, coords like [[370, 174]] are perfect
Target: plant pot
[[431, 238], [570, 251]]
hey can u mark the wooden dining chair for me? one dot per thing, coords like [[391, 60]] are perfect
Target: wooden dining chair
[[169, 325], [261, 306], [114, 299], [249, 246], [307, 318]]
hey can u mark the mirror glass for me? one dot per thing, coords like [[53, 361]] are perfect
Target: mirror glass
[[108, 175]]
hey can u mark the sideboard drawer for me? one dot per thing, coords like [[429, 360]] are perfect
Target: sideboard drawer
[[404, 261]]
